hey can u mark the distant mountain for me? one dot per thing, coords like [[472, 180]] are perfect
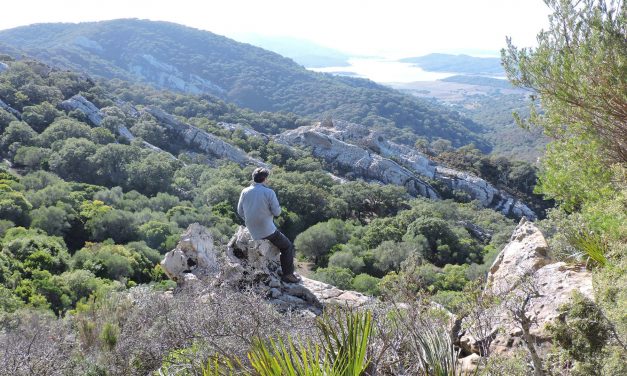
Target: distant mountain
[[466, 64], [173, 56], [302, 51]]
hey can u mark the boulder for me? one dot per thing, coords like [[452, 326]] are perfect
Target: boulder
[[468, 365], [248, 264], [524, 272], [526, 252]]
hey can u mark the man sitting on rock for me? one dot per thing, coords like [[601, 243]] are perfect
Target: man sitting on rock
[[258, 205]]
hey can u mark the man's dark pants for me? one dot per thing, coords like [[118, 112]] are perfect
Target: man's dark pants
[[287, 251]]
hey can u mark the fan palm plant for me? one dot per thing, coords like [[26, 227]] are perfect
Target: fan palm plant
[[342, 351]]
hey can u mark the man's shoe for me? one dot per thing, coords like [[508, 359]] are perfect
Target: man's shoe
[[290, 278]]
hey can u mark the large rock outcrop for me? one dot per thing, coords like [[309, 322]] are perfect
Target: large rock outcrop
[[204, 141], [345, 144], [150, 69], [10, 110], [96, 116], [248, 264], [355, 160], [80, 103], [525, 278]]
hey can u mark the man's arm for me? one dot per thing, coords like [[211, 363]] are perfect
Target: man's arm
[[240, 206], [275, 208]]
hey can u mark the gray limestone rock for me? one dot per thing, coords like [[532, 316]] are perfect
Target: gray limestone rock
[[151, 69], [339, 144], [249, 264], [80, 103], [357, 160], [10, 110], [95, 116], [202, 140], [524, 269]]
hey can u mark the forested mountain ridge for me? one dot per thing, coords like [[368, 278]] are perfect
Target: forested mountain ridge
[[185, 59]]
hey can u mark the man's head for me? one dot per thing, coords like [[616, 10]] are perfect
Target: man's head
[[260, 174]]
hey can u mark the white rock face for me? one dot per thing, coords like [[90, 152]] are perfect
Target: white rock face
[[248, 263], [95, 116], [78, 102], [522, 256], [347, 145], [88, 44], [150, 69], [356, 160], [204, 141], [10, 110], [523, 266], [194, 254]]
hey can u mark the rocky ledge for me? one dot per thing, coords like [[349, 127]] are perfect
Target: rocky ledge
[[248, 264]]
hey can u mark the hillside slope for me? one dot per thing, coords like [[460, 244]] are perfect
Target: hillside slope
[[176, 57]]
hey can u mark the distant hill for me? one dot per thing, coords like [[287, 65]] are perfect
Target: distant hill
[[458, 64], [302, 51], [173, 56], [479, 80]]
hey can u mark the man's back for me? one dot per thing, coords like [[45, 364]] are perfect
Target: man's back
[[258, 205]]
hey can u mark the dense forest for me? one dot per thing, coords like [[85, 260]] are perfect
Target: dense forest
[[111, 207]]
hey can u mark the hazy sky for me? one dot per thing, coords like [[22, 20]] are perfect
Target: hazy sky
[[390, 28]]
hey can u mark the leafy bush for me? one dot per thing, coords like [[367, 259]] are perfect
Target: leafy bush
[[114, 262], [583, 332], [340, 277], [366, 284], [35, 250]]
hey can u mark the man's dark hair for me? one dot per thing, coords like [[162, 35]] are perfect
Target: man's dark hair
[[260, 174]]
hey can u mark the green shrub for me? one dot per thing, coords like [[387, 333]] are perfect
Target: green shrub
[[339, 277], [366, 284]]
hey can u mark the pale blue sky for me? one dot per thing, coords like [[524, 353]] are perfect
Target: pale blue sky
[[390, 28]]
